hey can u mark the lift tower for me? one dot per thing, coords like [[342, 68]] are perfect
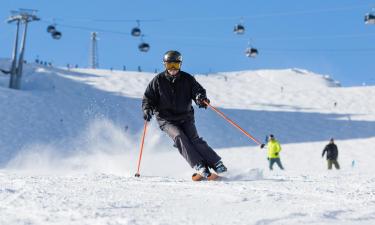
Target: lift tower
[[21, 16], [94, 59]]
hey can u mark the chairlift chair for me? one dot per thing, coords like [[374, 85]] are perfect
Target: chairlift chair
[[51, 29], [56, 35], [136, 32], [143, 47], [251, 52], [369, 18], [239, 29]]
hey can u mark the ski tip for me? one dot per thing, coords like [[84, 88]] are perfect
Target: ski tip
[[213, 177], [197, 177]]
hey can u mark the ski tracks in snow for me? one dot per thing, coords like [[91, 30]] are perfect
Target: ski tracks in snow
[[248, 197]]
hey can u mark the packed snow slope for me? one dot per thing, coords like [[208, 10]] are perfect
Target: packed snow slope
[[69, 143], [55, 106]]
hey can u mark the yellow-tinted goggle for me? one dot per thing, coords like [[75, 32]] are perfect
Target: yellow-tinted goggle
[[172, 65]]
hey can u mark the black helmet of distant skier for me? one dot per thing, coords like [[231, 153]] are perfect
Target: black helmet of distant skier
[[172, 56]]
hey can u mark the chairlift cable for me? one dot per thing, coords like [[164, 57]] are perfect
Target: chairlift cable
[[87, 20], [199, 19], [319, 50], [90, 28], [334, 36]]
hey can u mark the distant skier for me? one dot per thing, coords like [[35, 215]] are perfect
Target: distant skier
[[332, 154], [274, 149], [169, 96]]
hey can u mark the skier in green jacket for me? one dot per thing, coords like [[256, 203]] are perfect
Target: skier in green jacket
[[274, 149]]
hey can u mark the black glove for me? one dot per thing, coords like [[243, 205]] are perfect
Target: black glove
[[147, 114], [262, 145], [276, 154], [201, 100]]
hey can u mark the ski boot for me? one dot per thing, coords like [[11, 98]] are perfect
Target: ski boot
[[219, 167], [203, 173], [202, 170]]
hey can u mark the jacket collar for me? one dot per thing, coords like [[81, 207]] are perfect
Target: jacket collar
[[171, 78]]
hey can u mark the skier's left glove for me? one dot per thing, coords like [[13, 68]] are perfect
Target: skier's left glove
[[262, 145], [201, 100], [276, 154]]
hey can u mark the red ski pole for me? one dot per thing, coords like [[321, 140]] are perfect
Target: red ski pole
[[232, 122], [141, 150]]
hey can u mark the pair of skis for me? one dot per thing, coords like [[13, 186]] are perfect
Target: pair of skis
[[196, 176], [212, 177]]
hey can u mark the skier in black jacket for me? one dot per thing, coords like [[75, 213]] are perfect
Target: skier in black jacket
[[332, 154], [169, 96]]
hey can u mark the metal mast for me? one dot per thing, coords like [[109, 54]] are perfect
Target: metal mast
[[94, 59], [22, 16]]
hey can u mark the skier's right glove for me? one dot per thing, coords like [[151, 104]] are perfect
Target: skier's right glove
[[262, 145], [147, 114]]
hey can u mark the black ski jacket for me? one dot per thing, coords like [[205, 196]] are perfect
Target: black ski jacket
[[332, 152], [170, 97]]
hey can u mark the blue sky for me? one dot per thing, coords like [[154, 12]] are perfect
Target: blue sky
[[326, 37]]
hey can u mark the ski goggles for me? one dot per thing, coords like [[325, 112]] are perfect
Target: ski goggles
[[172, 65]]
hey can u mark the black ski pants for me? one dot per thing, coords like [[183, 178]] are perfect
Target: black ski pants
[[273, 161], [192, 147], [334, 162]]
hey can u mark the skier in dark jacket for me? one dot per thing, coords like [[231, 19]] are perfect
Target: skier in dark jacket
[[332, 154], [169, 97]]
